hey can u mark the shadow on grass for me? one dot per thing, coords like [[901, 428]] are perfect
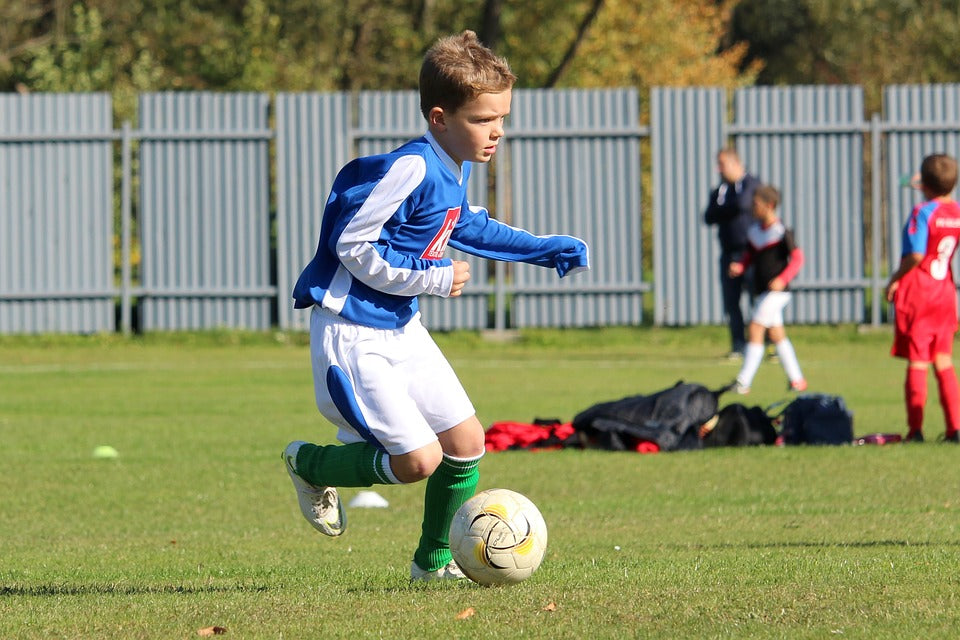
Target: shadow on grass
[[46, 590]]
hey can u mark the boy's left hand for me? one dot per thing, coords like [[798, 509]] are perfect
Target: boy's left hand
[[891, 291], [777, 284], [461, 273]]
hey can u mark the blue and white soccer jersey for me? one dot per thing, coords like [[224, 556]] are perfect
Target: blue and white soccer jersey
[[386, 225], [378, 375]]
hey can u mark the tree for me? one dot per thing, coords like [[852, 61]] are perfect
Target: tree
[[296, 45], [646, 44], [870, 43]]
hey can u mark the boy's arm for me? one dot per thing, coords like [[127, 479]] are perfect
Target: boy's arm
[[915, 235], [794, 262], [718, 208], [361, 249], [907, 262], [479, 234], [746, 259], [789, 272]]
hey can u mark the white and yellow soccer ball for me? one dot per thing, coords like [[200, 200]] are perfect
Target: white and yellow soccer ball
[[498, 537]]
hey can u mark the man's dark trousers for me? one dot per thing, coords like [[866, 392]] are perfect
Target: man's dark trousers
[[732, 291]]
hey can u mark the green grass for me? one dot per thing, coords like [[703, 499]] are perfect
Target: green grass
[[195, 523]]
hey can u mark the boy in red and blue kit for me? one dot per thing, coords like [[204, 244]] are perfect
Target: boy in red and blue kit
[[925, 296]]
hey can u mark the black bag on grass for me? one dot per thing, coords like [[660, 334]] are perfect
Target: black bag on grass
[[672, 418], [741, 426], [817, 418]]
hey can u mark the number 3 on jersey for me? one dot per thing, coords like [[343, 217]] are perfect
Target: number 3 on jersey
[[941, 264]]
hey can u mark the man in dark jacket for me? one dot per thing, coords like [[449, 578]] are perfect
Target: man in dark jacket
[[730, 208]]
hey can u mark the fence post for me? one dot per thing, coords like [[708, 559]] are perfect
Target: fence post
[[499, 268], [876, 172], [125, 224]]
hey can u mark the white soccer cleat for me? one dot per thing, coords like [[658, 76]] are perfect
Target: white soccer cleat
[[449, 571], [319, 505]]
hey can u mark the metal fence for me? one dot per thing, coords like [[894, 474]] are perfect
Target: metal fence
[[230, 188], [808, 141], [204, 211], [56, 213]]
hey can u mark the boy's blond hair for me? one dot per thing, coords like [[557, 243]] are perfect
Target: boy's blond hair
[[459, 68], [938, 174], [768, 194]]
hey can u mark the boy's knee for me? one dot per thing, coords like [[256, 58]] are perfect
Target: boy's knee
[[417, 465], [465, 440]]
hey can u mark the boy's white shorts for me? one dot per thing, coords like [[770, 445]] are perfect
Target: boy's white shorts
[[392, 388], [768, 308]]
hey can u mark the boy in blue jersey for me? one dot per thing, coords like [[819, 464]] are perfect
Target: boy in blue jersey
[[402, 414]]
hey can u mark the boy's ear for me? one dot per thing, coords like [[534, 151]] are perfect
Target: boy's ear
[[437, 118]]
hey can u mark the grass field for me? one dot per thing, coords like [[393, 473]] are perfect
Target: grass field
[[195, 524]]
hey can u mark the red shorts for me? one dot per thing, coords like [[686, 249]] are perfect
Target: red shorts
[[926, 317]]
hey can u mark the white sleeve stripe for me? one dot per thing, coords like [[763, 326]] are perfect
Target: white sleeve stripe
[[401, 179], [355, 245], [336, 295]]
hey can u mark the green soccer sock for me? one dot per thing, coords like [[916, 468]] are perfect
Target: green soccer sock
[[347, 465], [452, 484]]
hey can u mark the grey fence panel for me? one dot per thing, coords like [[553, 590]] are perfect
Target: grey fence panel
[[687, 130], [570, 164], [574, 166], [387, 119], [919, 120], [312, 146], [808, 142], [204, 211], [56, 214]]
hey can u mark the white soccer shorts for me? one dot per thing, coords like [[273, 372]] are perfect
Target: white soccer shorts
[[768, 308], [392, 388]]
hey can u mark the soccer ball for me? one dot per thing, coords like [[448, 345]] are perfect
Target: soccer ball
[[498, 537]]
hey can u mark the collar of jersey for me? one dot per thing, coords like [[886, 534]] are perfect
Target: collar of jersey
[[447, 160]]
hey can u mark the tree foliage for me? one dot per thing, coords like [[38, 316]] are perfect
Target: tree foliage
[[866, 42], [126, 46], [653, 43]]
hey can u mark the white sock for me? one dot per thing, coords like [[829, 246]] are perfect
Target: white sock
[[788, 358], [752, 357]]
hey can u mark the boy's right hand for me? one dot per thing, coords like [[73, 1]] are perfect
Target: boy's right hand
[[461, 273], [736, 270]]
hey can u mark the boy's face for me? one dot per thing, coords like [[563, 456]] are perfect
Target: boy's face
[[763, 210], [472, 132]]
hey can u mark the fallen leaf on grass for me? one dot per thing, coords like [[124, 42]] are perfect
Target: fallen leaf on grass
[[466, 613], [551, 607], [206, 632]]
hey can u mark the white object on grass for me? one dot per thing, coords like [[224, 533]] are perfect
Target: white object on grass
[[369, 500]]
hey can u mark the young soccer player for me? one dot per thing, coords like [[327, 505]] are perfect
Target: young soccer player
[[776, 260], [402, 414], [923, 291]]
